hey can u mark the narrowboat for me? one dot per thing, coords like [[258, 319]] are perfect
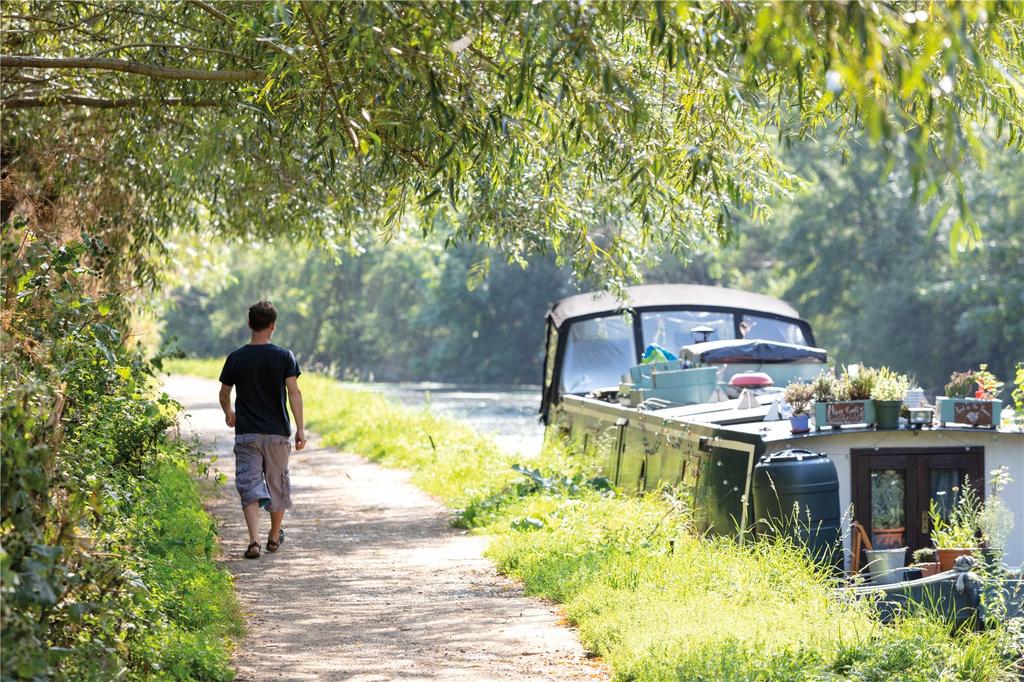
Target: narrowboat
[[706, 419]]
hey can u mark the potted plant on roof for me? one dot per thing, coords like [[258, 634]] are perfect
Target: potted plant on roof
[[800, 396], [887, 392], [971, 399], [846, 400], [956, 533]]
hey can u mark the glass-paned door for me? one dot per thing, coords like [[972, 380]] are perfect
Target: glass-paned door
[[893, 489], [942, 478]]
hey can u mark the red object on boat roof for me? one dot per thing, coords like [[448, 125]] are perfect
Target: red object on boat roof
[[751, 380]]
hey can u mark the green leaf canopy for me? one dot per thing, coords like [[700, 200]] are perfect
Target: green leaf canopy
[[596, 130]]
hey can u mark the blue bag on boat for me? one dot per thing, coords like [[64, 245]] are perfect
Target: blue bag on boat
[[655, 353]]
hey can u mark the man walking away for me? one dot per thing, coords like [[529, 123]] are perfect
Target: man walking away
[[262, 374]]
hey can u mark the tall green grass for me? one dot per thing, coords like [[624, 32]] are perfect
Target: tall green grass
[[653, 598], [194, 596]]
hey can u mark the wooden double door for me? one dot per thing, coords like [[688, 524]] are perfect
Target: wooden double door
[[893, 489]]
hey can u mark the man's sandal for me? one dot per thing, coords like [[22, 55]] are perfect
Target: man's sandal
[[273, 546], [254, 551]]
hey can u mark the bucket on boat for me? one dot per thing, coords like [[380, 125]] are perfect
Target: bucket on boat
[[886, 565]]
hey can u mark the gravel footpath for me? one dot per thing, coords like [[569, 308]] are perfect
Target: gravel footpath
[[372, 583]]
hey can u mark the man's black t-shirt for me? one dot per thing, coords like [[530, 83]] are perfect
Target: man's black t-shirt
[[258, 372]]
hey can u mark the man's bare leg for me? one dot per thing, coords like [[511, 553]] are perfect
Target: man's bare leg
[[275, 524], [252, 519]]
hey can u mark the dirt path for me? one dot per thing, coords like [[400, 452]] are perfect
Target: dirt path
[[372, 582]]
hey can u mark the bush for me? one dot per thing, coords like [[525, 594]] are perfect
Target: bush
[[106, 568]]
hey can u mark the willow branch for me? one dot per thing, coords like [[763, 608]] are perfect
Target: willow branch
[[169, 46], [327, 73], [214, 12], [99, 102], [105, 64]]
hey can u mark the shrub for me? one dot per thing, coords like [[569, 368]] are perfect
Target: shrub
[[105, 563]]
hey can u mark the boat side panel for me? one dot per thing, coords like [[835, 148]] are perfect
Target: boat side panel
[[709, 466], [601, 437], [1001, 450], [631, 470]]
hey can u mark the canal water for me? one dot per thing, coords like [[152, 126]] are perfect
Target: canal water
[[508, 414]]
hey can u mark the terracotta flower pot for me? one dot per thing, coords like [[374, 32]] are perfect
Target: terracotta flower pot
[[949, 554], [887, 538], [928, 568]]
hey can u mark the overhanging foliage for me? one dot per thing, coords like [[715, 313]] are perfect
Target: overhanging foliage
[[594, 130]]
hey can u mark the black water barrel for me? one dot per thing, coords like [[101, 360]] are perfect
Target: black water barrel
[[796, 492]]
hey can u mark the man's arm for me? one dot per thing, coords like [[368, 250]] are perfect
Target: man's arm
[[295, 401], [225, 404]]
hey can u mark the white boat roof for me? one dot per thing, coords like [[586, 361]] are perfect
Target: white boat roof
[[666, 295]]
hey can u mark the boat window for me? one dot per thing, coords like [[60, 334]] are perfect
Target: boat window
[[597, 353], [768, 329], [888, 508], [672, 329]]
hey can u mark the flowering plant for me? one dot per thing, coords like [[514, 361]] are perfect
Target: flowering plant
[[860, 381], [890, 385], [961, 383], [827, 387], [800, 396], [996, 518], [960, 528], [988, 385]]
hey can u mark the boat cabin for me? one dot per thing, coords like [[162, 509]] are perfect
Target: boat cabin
[[593, 339], [708, 443]]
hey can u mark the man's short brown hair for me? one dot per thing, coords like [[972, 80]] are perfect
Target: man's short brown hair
[[262, 315]]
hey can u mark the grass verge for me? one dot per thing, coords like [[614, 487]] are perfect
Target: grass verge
[[657, 601], [197, 615]]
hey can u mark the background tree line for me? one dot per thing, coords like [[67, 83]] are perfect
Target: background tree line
[[397, 313], [868, 264]]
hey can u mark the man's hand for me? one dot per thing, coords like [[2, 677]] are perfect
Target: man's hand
[[300, 439], [225, 404]]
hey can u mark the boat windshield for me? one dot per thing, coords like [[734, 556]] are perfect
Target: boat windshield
[[673, 329], [768, 329], [597, 353]]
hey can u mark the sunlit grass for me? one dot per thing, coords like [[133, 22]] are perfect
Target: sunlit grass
[[197, 596], [657, 601]]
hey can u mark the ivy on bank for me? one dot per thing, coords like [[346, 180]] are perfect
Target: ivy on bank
[[106, 552]]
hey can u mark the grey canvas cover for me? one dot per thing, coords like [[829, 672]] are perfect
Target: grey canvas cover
[[733, 351]]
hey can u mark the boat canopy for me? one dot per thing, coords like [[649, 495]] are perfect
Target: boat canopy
[[665, 295]]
